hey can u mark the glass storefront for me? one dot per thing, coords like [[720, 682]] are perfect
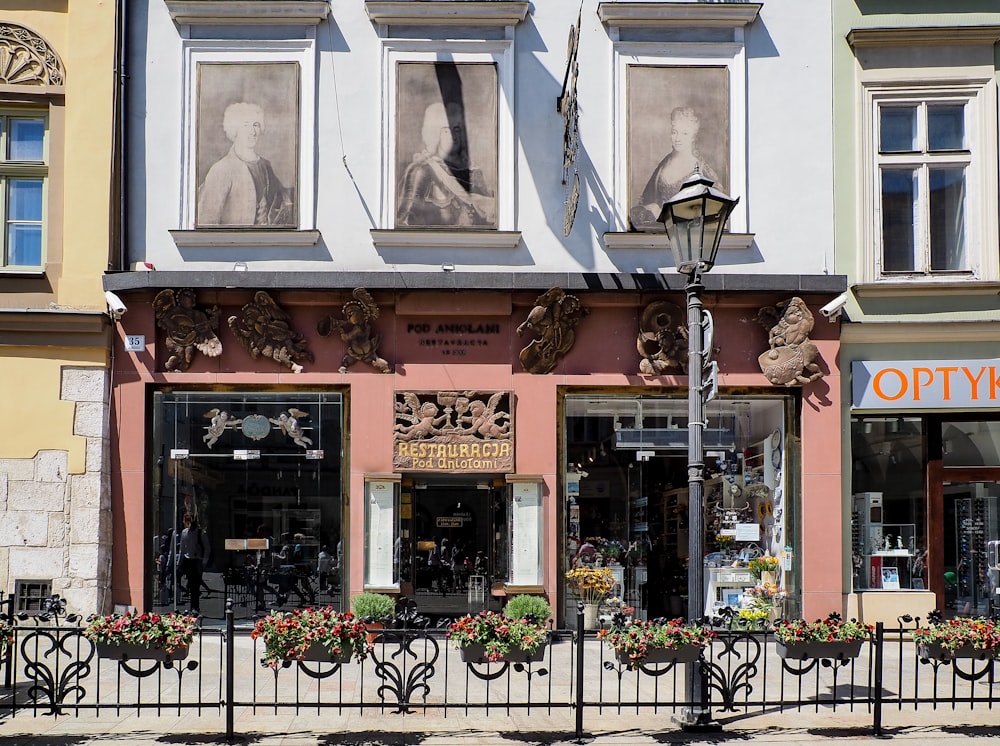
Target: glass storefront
[[926, 501], [626, 498], [258, 476]]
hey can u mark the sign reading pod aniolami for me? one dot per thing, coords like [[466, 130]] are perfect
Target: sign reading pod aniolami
[[453, 431], [925, 384]]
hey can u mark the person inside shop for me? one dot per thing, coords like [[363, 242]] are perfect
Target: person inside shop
[[433, 565], [444, 572], [194, 549], [324, 566]]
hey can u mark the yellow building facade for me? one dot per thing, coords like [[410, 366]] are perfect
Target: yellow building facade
[[58, 93]]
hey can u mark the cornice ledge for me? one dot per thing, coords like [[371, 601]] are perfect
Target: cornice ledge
[[271, 12], [46, 321], [925, 289], [860, 38], [385, 239], [901, 332], [248, 238], [447, 13], [636, 240], [669, 14]]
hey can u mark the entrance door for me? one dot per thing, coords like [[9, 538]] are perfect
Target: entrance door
[[457, 548], [972, 535]]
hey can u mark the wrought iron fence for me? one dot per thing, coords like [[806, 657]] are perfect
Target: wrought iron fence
[[51, 668]]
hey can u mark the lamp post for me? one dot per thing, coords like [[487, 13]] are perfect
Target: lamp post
[[695, 218]]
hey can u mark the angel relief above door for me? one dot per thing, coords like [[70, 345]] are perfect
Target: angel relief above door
[[460, 432]]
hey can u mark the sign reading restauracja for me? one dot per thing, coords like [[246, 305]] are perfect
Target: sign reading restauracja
[[925, 384], [453, 431]]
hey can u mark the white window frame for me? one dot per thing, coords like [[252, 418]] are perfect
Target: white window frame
[[730, 55], [498, 52], [23, 169], [979, 99], [301, 51]]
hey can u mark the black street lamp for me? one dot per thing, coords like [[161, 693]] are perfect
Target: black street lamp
[[695, 218]]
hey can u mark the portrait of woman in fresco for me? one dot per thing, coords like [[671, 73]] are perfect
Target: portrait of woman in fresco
[[446, 147], [254, 107], [693, 126]]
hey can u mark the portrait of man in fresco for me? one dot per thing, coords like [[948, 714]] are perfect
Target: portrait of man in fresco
[[678, 121], [446, 145], [247, 146]]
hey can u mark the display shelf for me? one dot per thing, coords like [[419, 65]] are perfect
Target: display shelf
[[721, 584]]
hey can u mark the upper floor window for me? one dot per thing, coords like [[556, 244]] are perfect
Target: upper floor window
[[925, 174], [23, 172]]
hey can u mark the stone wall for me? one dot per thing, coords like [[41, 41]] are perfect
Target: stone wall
[[55, 525]]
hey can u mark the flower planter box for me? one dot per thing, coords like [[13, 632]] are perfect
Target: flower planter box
[[131, 652], [476, 653], [941, 653], [685, 654], [316, 653], [837, 649]]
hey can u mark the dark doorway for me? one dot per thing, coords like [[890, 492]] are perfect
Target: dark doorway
[[457, 531]]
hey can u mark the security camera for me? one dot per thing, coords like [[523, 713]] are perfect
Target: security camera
[[116, 307], [834, 308]]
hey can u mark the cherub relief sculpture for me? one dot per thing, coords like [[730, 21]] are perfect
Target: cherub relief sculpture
[[791, 361], [663, 339], [423, 420], [356, 331], [188, 328], [288, 423], [551, 322], [221, 421], [483, 419], [265, 330]]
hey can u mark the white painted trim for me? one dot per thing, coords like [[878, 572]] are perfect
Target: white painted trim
[[301, 51], [249, 238], [674, 14], [446, 13], [270, 12], [457, 239], [695, 54], [500, 53], [636, 240]]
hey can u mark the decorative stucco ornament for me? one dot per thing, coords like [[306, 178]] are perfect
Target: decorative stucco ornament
[[791, 361], [188, 328], [27, 59], [266, 331], [288, 423], [355, 328], [663, 339], [551, 322]]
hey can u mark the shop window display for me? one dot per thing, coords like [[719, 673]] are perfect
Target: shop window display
[[626, 498], [259, 474]]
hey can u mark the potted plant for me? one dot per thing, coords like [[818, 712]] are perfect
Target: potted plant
[[134, 636], [637, 642], [525, 606], [374, 609], [764, 568], [943, 640], [592, 585], [312, 635], [825, 638], [492, 637]]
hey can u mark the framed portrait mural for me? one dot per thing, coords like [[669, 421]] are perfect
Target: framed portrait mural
[[677, 117], [246, 149], [446, 145]]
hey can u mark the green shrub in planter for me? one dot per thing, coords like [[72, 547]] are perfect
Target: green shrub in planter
[[373, 607], [524, 605]]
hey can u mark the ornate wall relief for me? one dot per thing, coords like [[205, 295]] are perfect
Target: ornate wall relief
[[663, 339], [551, 322], [355, 328], [188, 328], [27, 59], [266, 331], [452, 431], [791, 361]]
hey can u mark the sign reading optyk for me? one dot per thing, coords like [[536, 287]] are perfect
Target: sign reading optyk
[[925, 384]]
